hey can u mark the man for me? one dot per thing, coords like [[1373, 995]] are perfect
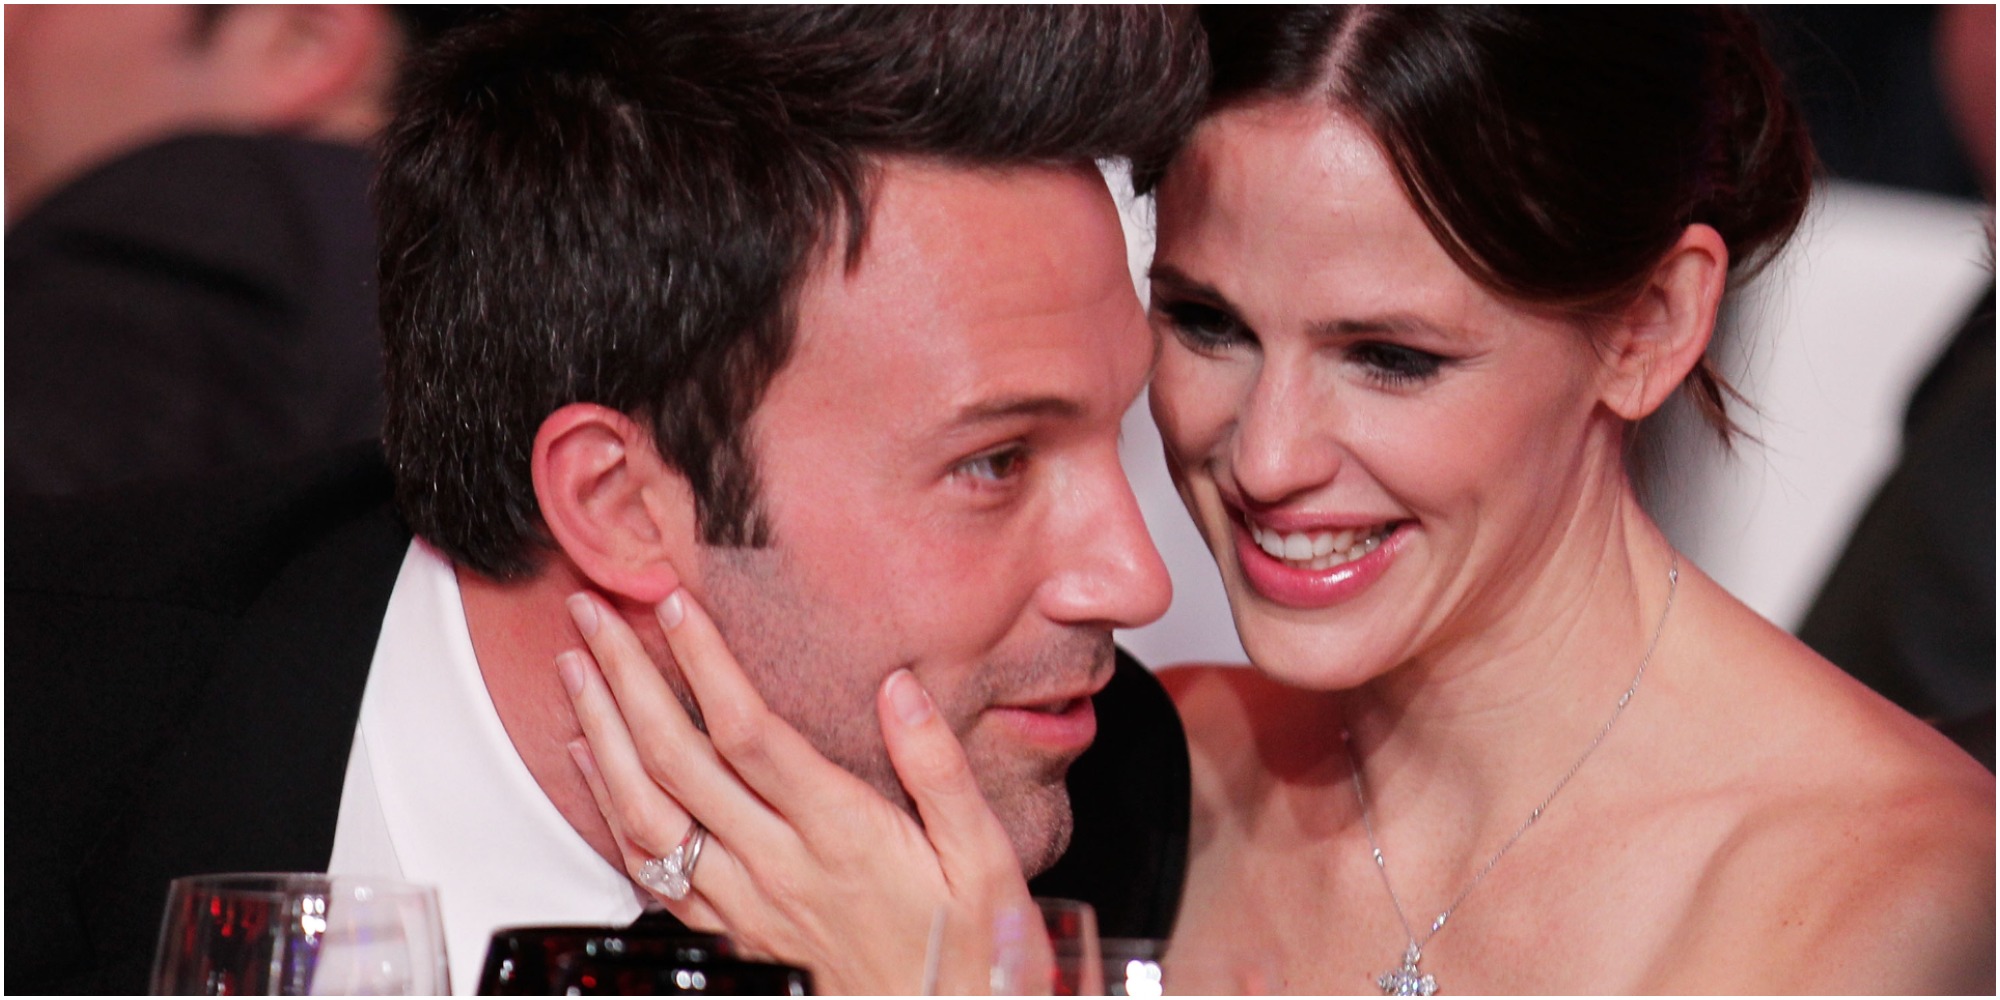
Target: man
[[819, 313], [190, 258]]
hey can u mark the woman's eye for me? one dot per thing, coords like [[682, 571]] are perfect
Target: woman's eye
[[1394, 364], [994, 466], [1201, 327]]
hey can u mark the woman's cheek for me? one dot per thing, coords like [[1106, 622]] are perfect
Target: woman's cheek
[[1194, 401]]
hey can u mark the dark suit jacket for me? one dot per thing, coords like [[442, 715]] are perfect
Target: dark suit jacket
[[1908, 608], [184, 672], [203, 302]]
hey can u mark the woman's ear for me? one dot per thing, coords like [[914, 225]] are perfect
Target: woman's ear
[[1659, 338], [615, 509]]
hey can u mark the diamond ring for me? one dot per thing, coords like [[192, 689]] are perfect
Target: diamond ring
[[672, 876]]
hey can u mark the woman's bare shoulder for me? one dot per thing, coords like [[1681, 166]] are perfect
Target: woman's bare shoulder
[[1884, 891], [1780, 713], [1859, 856], [1832, 740]]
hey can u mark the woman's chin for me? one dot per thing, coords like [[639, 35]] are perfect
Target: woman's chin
[[1314, 656], [1333, 646]]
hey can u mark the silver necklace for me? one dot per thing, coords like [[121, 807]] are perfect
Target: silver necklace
[[1408, 980]]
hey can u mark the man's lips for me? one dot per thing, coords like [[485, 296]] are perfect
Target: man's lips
[[1056, 699], [1065, 726], [1062, 720]]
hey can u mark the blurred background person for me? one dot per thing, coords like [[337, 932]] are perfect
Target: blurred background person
[[189, 252], [1903, 97]]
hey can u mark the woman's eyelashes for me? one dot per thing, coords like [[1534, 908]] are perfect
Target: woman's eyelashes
[[1203, 328], [1207, 329], [1394, 364]]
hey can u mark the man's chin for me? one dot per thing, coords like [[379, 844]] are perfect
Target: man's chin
[[1039, 824], [1031, 801]]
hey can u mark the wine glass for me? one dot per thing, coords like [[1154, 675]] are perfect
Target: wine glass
[[635, 960], [295, 934], [1047, 948], [1145, 967], [1132, 966]]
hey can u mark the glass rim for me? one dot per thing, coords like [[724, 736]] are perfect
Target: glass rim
[[279, 885]]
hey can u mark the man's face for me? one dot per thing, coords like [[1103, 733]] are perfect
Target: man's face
[[939, 464], [85, 83]]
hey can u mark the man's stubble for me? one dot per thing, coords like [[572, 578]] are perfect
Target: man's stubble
[[819, 667]]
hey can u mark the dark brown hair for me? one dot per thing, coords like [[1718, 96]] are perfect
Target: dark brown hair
[[616, 207], [1557, 153]]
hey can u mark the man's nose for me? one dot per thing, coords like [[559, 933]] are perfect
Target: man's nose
[[1108, 571]]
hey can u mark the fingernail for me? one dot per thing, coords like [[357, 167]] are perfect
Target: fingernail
[[579, 752], [569, 667], [911, 702], [583, 611], [671, 612]]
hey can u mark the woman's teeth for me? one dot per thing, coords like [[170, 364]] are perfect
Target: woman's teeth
[[1319, 549]]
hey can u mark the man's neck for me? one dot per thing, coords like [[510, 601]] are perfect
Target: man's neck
[[517, 629]]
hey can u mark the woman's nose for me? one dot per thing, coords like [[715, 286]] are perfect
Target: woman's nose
[[1284, 445]]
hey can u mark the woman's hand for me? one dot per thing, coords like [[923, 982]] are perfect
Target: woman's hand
[[803, 861]]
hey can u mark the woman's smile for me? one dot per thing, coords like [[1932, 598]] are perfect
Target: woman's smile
[[1312, 569]]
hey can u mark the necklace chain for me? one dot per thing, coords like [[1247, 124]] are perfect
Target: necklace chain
[[1408, 976]]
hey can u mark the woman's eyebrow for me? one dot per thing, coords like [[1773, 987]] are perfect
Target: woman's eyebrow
[[1394, 323], [1397, 323], [1166, 274]]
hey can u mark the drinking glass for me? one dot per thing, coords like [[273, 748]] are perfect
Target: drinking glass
[[295, 934], [628, 961], [1144, 967], [1048, 948], [1132, 966]]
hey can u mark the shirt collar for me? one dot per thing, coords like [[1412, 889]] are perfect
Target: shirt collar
[[462, 810]]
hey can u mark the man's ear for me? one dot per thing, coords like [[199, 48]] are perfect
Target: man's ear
[[615, 509], [1656, 340], [324, 70]]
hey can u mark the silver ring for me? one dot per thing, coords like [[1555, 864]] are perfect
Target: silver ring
[[673, 875]]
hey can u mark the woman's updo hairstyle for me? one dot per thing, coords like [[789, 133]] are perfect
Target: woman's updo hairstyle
[[1556, 153]]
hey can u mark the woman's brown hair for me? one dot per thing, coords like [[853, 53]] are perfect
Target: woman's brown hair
[[1555, 153]]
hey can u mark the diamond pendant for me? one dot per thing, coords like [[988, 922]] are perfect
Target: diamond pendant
[[1408, 981]]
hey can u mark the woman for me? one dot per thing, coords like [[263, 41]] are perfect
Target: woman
[[1421, 274], [1447, 391]]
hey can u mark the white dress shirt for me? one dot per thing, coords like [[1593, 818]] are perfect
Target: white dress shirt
[[436, 793]]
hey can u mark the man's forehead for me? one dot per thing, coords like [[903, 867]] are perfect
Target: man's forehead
[[989, 293], [977, 229]]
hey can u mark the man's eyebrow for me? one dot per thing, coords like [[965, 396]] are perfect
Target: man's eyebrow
[[1008, 407]]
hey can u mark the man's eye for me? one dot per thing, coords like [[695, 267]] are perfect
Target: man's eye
[[1203, 328], [1394, 364], [994, 466]]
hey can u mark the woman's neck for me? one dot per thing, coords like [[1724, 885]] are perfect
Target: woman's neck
[[1483, 725]]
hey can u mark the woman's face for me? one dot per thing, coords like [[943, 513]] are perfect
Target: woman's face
[[1382, 455]]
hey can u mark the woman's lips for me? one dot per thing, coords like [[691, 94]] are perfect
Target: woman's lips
[[1317, 568]]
